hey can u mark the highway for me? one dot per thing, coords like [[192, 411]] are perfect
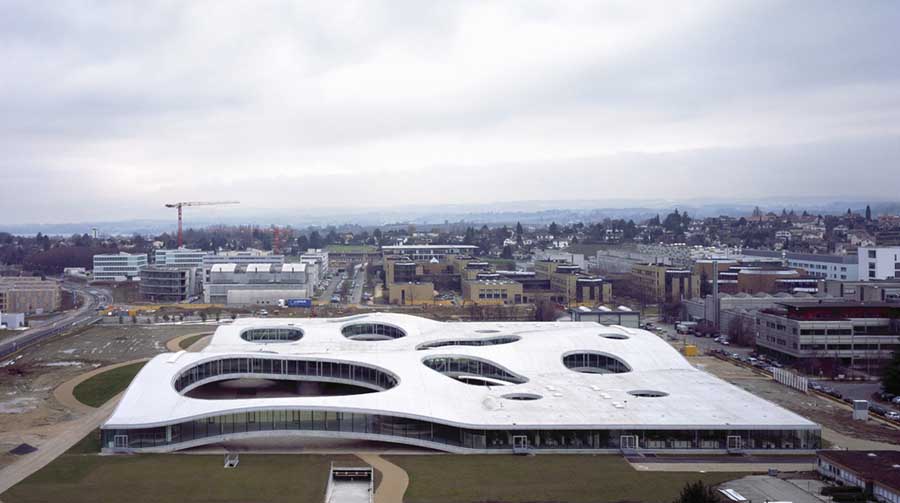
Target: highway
[[93, 297]]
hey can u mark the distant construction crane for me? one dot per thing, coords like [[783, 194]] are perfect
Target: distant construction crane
[[193, 203]]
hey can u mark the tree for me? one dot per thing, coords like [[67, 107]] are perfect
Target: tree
[[553, 229], [890, 380], [868, 213], [697, 492], [507, 252], [315, 240]]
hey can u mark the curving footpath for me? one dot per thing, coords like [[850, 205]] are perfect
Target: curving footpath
[[394, 480], [174, 345], [71, 432]]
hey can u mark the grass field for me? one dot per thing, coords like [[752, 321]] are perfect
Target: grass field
[[186, 343], [99, 389], [77, 478], [571, 478]]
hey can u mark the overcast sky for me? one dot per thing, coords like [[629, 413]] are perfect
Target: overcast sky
[[110, 109]]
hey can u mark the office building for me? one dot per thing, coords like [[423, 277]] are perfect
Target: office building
[[878, 262], [576, 287], [851, 333], [665, 284], [28, 294], [169, 284], [181, 257], [884, 290], [818, 265], [119, 266], [493, 387]]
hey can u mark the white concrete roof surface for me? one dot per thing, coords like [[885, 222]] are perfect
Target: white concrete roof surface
[[695, 398]]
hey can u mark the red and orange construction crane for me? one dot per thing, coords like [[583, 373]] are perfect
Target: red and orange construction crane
[[193, 203]]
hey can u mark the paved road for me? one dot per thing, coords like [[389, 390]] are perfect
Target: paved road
[[93, 297], [394, 480], [359, 279], [329, 290]]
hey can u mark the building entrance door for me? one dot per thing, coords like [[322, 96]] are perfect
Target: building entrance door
[[628, 442], [120, 441], [735, 443], [520, 443]]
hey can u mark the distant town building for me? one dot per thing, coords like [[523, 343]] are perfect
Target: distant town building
[[661, 283], [428, 252], [316, 258], [118, 266], [27, 294], [885, 290]]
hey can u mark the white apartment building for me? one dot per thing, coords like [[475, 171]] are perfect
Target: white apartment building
[[119, 266], [878, 262], [316, 258]]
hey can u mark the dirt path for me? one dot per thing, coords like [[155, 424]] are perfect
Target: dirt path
[[394, 479], [174, 345]]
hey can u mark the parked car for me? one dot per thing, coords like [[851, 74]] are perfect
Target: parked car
[[896, 399], [892, 414]]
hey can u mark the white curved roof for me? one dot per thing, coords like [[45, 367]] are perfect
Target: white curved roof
[[695, 398]]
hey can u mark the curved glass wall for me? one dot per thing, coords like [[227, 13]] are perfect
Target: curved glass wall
[[458, 367], [591, 362], [372, 332], [491, 341], [272, 334], [436, 435], [228, 368]]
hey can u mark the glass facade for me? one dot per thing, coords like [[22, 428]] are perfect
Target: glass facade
[[353, 373], [372, 331], [470, 342], [272, 334], [399, 429], [456, 366], [595, 363]]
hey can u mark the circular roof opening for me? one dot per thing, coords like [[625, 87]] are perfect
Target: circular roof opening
[[487, 331], [523, 397], [647, 393], [618, 337], [372, 332]]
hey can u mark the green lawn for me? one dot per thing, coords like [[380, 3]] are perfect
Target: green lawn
[[76, 478], [186, 343], [99, 389], [571, 478]]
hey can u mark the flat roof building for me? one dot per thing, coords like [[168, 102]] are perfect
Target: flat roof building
[[169, 284], [486, 387], [243, 257], [428, 252], [819, 265], [118, 266], [181, 257], [28, 294], [264, 284], [876, 473]]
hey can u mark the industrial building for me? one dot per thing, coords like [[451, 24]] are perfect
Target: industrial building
[[621, 316], [263, 284], [28, 294], [487, 387], [119, 266], [239, 258], [169, 284]]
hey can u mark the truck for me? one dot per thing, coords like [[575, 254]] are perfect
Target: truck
[[294, 302]]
